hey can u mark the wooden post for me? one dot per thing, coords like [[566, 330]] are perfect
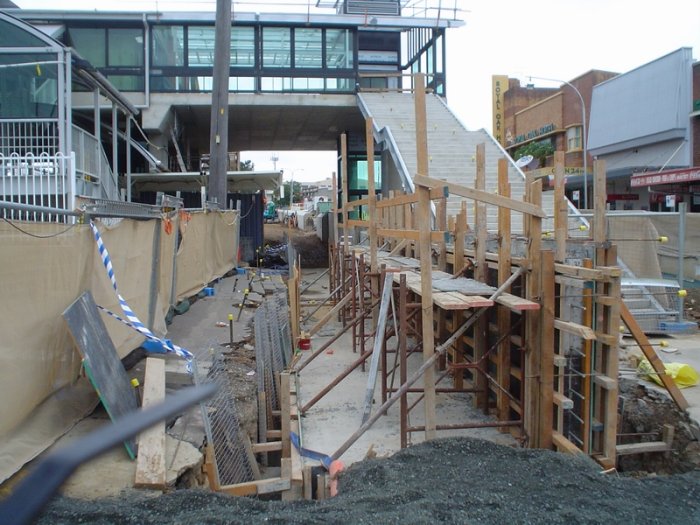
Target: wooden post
[[481, 341], [561, 219], [458, 265], [150, 462], [373, 219], [611, 327], [586, 407], [285, 415], [441, 210], [346, 196], [504, 272], [425, 255], [531, 377], [547, 316], [460, 231], [408, 224], [600, 198], [334, 207], [403, 357]]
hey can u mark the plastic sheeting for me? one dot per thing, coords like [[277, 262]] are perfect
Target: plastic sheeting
[[45, 267]]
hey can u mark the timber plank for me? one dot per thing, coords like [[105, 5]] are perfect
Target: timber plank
[[457, 301], [516, 303], [150, 461], [575, 329], [650, 354]]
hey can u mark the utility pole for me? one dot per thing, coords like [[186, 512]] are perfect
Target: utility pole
[[218, 145]]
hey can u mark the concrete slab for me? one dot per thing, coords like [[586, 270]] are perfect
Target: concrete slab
[[328, 424]]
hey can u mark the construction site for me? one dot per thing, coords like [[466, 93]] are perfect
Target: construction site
[[460, 344]]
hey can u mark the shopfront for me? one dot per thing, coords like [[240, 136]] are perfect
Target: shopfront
[[667, 189]]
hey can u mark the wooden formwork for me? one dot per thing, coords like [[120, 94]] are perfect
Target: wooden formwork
[[545, 374]]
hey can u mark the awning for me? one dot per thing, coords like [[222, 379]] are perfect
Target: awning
[[238, 181], [665, 177]]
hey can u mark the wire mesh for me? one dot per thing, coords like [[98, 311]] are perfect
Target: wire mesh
[[273, 350], [232, 458]]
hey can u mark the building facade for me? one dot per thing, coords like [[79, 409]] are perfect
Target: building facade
[[642, 127], [539, 121]]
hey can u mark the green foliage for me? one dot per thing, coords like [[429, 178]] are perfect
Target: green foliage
[[284, 202], [539, 150], [247, 165]]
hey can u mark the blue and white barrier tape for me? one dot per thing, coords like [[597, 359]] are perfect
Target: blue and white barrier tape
[[131, 319]]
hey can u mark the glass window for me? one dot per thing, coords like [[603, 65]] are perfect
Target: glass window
[[276, 47], [358, 179], [200, 45], [14, 36], [241, 83], [340, 84], [125, 47], [439, 66], [28, 90], [127, 82], [169, 46], [307, 84], [307, 48], [91, 44], [573, 138], [243, 47], [339, 49], [275, 84]]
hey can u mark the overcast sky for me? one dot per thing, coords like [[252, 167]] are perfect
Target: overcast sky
[[558, 39]]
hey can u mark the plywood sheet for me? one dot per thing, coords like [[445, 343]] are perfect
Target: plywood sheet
[[101, 361]]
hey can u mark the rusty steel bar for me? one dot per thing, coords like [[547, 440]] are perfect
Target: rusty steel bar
[[419, 373], [345, 373], [329, 342], [464, 426]]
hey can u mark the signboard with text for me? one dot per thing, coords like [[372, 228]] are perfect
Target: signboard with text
[[499, 85], [665, 177]]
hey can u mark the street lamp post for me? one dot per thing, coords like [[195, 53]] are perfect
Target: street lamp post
[[583, 137]]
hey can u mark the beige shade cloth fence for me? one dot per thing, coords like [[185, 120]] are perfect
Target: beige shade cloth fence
[[45, 267]]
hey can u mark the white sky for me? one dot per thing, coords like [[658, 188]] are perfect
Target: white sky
[[559, 39]]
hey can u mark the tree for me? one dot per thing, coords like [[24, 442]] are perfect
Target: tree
[[539, 150], [247, 165], [297, 194]]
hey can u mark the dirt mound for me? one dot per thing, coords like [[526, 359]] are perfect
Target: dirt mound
[[307, 245], [456, 480]]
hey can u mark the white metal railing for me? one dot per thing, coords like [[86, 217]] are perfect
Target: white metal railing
[[29, 136], [41, 181], [94, 176]]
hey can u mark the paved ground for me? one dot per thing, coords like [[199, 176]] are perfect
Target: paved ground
[[329, 423]]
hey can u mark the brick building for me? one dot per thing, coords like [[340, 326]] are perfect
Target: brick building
[[551, 116]]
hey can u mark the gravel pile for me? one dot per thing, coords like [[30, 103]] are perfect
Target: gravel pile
[[456, 480]]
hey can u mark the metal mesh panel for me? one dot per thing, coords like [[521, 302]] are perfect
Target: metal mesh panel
[[284, 330], [232, 458], [272, 353]]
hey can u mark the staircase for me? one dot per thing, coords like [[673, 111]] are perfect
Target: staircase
[[451, 151], [452, 157]]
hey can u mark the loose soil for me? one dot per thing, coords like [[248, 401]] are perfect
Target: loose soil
[[313, 252], [455, 480]]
